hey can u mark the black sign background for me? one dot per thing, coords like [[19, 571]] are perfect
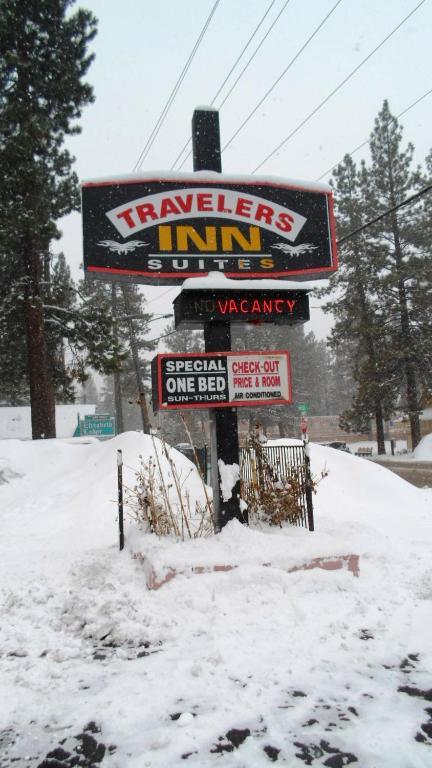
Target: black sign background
[[192, 308], [119, 261], [219, 378]]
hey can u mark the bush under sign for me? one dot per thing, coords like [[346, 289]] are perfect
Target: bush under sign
[[221, 379]]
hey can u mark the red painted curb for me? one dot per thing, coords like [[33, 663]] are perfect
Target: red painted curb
[[348, 562]]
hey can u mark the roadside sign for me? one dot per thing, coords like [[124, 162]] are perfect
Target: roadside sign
[[193, 307], [221, 379], [98, 425], [157, 230], [303, 407]]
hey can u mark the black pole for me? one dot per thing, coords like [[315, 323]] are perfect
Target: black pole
[[308, 484], [118, 406], [224, 440], [120, 497]]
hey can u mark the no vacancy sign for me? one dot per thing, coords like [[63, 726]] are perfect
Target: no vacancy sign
[[162, 230], [221, 380], [192, 308]]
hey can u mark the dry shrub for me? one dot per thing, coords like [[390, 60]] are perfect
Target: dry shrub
[[161, 503], [274, 497]]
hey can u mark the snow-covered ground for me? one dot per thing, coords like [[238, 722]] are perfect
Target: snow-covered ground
[[243, 668], [423, 452]]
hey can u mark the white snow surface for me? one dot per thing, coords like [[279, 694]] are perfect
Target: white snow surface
[[229, 475], [423, 451], [202, 176], [308, 658], [215, 280]]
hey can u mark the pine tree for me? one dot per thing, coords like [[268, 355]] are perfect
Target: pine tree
[[131, 328], [171, 425], [359, 326], [394, 179], [43, 60]]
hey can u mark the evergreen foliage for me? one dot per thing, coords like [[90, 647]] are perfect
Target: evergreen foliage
[[380, 296], [43, 60], [131, 327]]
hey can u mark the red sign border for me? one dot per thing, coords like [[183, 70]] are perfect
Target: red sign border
[[229, 404], [231, 182]]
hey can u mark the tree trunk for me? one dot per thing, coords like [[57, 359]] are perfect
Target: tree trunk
[[281, 427], [42, 397], [379, 421], [408, 362], [137, 365], [406, 340]]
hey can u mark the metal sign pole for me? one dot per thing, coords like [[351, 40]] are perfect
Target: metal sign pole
[[224, 443], [120, 497]]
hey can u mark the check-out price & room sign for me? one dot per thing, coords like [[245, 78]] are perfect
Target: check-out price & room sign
[[221, 379]]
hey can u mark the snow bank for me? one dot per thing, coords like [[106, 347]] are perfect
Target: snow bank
[[423, 452], [288, 661]]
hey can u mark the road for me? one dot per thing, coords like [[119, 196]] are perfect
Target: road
[[417, 473]]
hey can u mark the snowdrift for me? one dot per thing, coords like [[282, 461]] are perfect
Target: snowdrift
[[237, 667]]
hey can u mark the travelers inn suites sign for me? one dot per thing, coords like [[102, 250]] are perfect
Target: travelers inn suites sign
[[163, 228]]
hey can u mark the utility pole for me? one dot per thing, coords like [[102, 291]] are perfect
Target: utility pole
[[118, 407], [224, 443], [136, 363]]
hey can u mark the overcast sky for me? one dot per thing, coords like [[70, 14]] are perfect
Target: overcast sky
[[142, 47]]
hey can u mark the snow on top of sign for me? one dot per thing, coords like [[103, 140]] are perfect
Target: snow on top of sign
[[201, 176], [205, 108], [215, 280]]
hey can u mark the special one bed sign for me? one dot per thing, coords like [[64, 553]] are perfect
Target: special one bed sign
[[162, 230], [221, 379]]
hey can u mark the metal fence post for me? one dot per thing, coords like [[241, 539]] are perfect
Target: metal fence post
[[120, 497], [309, 502]]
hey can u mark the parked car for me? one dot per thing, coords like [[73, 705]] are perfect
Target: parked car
[[339, 445], [192, 453]]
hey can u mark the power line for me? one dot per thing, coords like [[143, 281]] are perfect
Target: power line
[[338, 87], [407, 201], [404, 111], [242, 71], [260, 23], [255, 53], [226, 79], [173, 94], [289, 65], [153, 341], [156, 298]]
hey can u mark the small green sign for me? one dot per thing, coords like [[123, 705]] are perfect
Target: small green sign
[[98, 425], [303, 407]]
